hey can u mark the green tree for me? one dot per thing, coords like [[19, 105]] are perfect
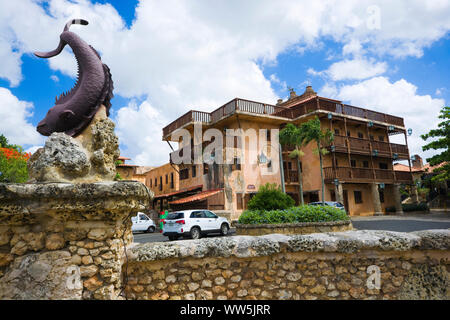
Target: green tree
[[442, 133], [311, 132], [291, 136]]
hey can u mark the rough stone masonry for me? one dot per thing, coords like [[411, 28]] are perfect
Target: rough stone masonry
[[339, 265], [63, 234]]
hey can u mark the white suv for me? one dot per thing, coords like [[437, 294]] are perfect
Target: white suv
[[194, 224], [141, 222]]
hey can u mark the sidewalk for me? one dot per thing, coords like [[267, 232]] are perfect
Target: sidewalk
[[438, 216]]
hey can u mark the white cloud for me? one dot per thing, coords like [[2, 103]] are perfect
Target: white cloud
[[139, 129], [54, 78], [400, 98], [14, 122], [355, 69], [182, 55]]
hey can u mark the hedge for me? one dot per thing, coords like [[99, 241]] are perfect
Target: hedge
[[304, 213], [411, 207]]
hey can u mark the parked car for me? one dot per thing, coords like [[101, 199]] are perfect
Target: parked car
[[141, 222], [328, 203], [193, 224]]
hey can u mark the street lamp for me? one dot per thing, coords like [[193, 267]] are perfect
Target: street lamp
[[409, 132]]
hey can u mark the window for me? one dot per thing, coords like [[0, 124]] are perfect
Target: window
[[209, 214], [371, 137], [348, 134], [365, 164], [151, 182], [358, 196], [336, 131], [205, 168], [239, 201], [197, 214], [171, 180], [353, 163], [289, 165], [143, 217], [383, 165], [160, 183], [194, 171], [336, 164], [184, 173], [268, 135], [360, 135], [175, 215], [381, 138], [167, 178], [156, 182], [236, 164]]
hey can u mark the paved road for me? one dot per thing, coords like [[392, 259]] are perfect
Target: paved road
[[440, 220], [158, 237], [407, 225]]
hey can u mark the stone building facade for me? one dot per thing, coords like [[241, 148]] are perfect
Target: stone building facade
[[358, 170]]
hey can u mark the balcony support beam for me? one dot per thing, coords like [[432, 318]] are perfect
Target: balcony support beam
[[339, 192], [376, 199], [398, 199]]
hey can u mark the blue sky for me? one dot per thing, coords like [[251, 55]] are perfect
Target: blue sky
[[172, 56]]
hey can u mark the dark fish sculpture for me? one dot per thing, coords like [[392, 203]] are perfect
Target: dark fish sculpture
[[74, 110]]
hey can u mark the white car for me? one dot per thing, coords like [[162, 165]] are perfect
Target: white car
[[194, 224], [141, 222]]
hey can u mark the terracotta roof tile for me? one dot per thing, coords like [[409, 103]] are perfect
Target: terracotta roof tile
[[197, 197]]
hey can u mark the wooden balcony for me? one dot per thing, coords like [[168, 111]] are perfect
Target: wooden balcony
[[366, 175], [331, 106], [369, 147], [258, 108], [190, 116], [290, 176]]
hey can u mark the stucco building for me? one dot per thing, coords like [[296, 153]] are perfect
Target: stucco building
[[358, 169]]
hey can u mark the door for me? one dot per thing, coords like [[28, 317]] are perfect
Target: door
[[347, 209], [197, 218], [211, 220]]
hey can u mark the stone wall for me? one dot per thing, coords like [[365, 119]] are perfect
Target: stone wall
[[292, 228], [66, 241], [340, 265]]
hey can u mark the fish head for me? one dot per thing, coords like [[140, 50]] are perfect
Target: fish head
[[56, 120]]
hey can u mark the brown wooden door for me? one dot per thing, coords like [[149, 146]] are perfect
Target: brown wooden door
[[346, 202]]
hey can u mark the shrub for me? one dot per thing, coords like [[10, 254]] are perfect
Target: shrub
[[410, 207], [13, 165], [270, 197], [304, 213]]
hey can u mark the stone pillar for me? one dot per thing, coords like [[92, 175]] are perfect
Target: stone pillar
[[63, 235], [66, 241], [376, 200], [414, 194], [339, 193], [398, 199]]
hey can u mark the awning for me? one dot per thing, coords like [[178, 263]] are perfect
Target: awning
[[166, 195], [197, 197]]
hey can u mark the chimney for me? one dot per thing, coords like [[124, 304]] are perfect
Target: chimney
[[292, 93], [417, 162]]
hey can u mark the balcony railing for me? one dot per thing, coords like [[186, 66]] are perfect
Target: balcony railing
[[366, 175], [291, 176], [294, 112], [362, 146]]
